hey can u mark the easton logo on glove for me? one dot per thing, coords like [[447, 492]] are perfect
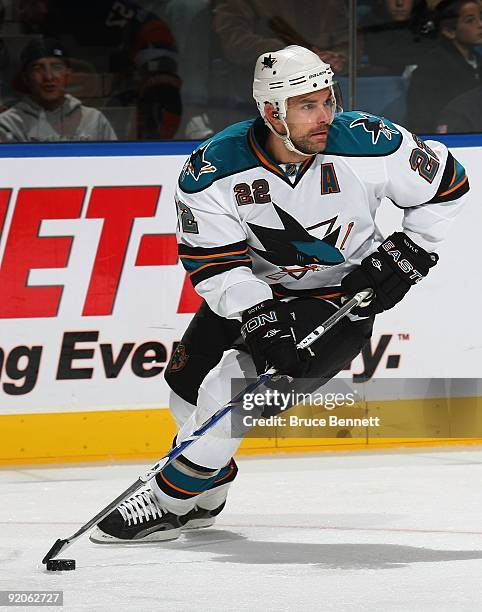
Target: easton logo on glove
[[271, 333], [268, 332], [402, 262], [377, 264], [257, 321], [391, 270]]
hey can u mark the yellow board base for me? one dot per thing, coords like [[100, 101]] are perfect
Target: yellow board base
[[147, 434]]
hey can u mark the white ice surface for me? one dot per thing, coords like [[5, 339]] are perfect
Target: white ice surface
[[394, 531]]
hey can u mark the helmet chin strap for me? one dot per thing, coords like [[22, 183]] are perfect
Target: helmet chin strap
[[288, 143], [286, 138]]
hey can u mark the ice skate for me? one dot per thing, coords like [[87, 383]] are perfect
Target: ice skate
[[138, 519], [199, 518]]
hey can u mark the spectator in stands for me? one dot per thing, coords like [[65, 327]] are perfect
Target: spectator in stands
[[462, 114], [246, 29], [129, 48], [451, 68], [392, 37], [47, 113], [138, 49]]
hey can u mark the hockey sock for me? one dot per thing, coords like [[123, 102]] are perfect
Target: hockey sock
[[214, 497], [226, 474], [179, 485]]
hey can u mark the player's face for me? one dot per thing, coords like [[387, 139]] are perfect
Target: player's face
[[308, 118], [399, 9], [46, 79], [469, 24]]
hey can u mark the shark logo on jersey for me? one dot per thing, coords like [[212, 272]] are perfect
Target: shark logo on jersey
[[294, 246], [374, 126], [268, 61], [197, 164]]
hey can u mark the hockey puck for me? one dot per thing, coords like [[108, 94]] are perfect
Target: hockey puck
[[60, 565]]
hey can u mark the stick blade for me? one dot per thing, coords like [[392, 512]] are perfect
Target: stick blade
[[54, 551]]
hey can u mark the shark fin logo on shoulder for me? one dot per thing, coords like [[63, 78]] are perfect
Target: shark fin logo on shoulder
[[197, 164], [374, 126]]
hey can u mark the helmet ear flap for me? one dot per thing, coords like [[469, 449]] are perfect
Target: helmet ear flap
[[274, 107]]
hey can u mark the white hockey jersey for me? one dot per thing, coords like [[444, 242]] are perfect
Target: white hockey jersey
[[249, 229]]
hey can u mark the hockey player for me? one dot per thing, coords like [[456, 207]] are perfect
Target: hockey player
[[276, 217]]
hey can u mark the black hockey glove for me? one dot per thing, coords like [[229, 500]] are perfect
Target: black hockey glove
[[391, 270], [268, 332]]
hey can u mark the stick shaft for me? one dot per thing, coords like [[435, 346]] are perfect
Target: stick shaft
[[339, 314]]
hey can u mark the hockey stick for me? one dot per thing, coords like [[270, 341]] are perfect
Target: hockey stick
[[179, 448]]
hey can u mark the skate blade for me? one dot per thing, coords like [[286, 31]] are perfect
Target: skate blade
[[199, 523], [99, 537]]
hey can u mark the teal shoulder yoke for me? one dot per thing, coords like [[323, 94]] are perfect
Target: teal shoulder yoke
[[224, 154], [360, 134]]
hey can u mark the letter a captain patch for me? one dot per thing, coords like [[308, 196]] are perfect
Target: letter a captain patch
[[329, 181]]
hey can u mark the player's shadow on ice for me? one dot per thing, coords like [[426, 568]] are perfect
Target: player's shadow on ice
[[230, 547]]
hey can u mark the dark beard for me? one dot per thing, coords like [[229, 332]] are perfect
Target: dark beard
[[304, 146]]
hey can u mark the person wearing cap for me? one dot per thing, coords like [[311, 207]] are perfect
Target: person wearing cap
[[47, 113]]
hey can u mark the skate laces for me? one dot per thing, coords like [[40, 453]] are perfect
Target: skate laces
[[140, 507]]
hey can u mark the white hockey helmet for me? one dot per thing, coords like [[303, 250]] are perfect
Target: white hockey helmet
[[292, 71]]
